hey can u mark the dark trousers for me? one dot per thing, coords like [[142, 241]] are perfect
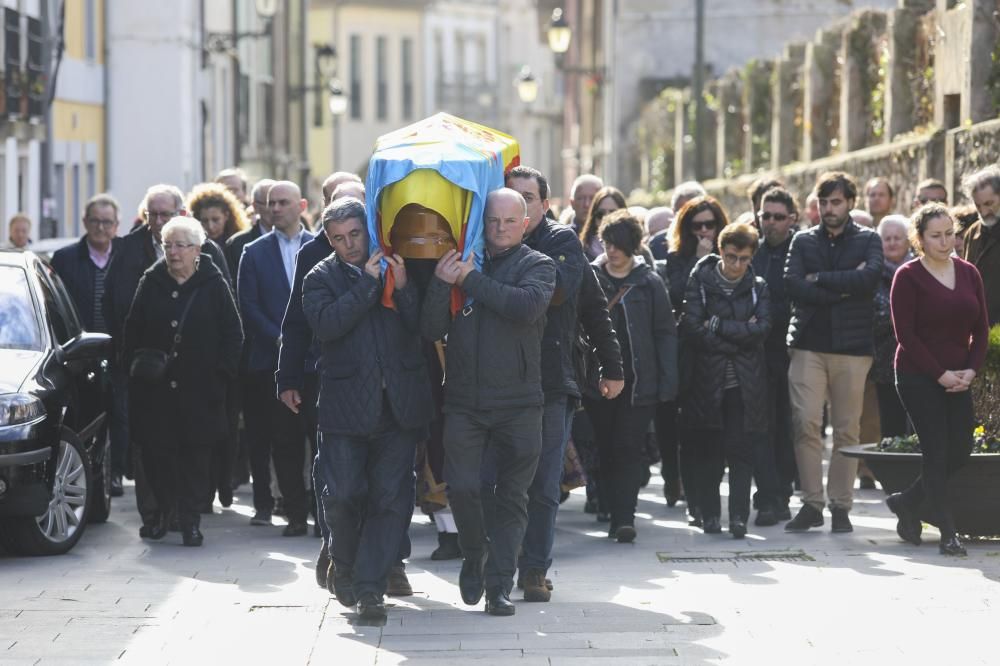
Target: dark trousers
[[275, 432], [943, 422], [369, 503], [179, 474], [665, 423], [621, 432], [145, 500], [779, 419], [515, 436], [741, 450], [118, 429], [892, 416]]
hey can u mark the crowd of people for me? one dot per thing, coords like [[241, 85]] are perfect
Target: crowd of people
[[250, 343]]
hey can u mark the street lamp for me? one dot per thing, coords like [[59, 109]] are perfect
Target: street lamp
[[338, 100], [559, 33], [527, 85]]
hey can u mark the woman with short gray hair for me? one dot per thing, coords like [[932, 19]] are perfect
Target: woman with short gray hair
[[182, 345]]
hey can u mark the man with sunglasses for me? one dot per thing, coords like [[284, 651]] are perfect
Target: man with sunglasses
[[777, 218], [140, 249]]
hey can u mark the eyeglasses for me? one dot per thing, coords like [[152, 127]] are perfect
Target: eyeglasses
[[168, 246], [702, 226], [777, 217], [737, 259], [150, 215], [107, 224]]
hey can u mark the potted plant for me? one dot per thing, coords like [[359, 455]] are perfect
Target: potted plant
[[975, 489]]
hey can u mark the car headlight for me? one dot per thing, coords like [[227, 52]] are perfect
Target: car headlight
[[17, 408]]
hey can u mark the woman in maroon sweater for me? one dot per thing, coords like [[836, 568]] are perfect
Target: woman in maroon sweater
[[939, 313]]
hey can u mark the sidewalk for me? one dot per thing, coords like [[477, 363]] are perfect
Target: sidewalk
[[676, 596]]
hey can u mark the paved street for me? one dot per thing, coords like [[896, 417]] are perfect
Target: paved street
[[248, 596]]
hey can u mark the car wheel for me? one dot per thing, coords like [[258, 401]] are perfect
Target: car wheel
[[100, 493], [58, 529]]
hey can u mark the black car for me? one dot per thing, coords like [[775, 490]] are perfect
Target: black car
[[55, 471]]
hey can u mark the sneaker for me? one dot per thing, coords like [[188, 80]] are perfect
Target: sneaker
[[625, 534], [807, 517], [534, 586], [261, 518], [840, 523], [765, 518], [396, 583]]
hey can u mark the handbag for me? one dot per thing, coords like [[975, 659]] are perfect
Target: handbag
[[150, 364]]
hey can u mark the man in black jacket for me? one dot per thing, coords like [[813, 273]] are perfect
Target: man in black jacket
[[830, 278], [777, 217], [559, 243], [140, 249], [374, 404], [493, 391], [261, 225], [83, 268]]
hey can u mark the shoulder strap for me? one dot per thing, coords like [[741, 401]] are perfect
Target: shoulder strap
[[622, 290], [180, 322]]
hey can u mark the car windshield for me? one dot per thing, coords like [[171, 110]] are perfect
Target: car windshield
[[18, 325]]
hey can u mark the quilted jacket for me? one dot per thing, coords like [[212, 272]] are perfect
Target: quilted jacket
[[366, 347], [737, 339], [493, 358]]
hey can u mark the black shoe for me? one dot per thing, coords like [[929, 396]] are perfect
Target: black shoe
[[603, 517], [448, 548], [279, 507], [590, 506], [343, 588], [226, 497], [498, 602], [625, 534], [116, 486], [371, 607], [694, 519], [765, 518], [908, 526], [807, 517], [951, 547], [711, 525], [738, 528], [397, 584], [671, 493], [174, 525], [866, 483], [783, 513], [192, 536], [157, 529], [841, 522], [296, 528], [260, 518], [472, 579], [322, 566]]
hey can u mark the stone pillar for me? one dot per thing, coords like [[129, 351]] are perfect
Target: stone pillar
[[729, 127], [903, 34], [859, 78], [709, 133], [683, 124], [757, 114], [820, 99], [786, 104], [963, 76]]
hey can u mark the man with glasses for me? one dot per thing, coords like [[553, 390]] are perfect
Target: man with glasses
[[139, 250], [83, 268], [930, 190], [777, 218]]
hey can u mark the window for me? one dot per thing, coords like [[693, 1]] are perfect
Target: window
[[91, 180], [382, 86], [18, 325], [356, 74], [75, 199], [407, 70], [53, 310], [90, 30], [59, 187]]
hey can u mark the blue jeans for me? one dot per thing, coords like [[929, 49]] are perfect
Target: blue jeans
[[369, 499]]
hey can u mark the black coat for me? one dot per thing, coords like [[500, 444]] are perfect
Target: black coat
[[77, 270], [678, 271], [493, 359], [557, 242], [190, 403], [234, 248], [127, 267], [735, 339], [652, 335], [596, 350], [840, 287], [769, 263], [367, 348]]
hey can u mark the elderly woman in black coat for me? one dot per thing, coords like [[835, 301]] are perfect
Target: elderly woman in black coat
[[182, 345], [647, 333], [725, 320]]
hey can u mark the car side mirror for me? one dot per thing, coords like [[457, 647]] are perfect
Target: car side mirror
[[86, 345]]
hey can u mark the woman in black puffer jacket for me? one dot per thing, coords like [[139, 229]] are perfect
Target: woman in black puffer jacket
[[647, 333], [725, 320]]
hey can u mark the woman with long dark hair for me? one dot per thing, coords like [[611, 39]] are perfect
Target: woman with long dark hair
[[607, 200], [939, 313]]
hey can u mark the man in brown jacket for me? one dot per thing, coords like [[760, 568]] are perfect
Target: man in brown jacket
[[982, 239]]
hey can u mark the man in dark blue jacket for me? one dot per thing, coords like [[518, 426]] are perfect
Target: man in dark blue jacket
[[83, 268], [265, 281], [778, 218], [831, 275], [374, 404]]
